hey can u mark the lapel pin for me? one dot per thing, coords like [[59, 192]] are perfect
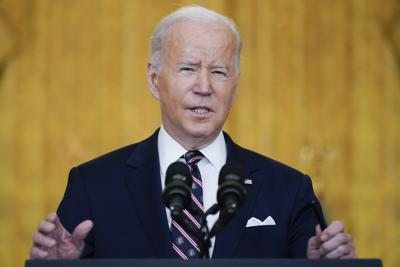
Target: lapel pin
[[248, 181]]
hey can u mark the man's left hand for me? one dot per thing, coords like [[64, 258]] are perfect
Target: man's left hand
[[332, 243]]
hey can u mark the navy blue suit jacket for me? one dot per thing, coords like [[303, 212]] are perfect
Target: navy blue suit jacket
[[121, 193]]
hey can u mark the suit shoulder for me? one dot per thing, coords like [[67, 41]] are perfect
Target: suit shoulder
[[117, 156], [277, 176], [264, 163]]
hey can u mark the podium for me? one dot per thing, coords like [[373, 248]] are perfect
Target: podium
[[204, 263]]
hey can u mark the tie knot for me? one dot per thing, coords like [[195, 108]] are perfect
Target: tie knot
[[193, 156]]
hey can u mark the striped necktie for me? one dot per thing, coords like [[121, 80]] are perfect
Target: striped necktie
[[185, 244]]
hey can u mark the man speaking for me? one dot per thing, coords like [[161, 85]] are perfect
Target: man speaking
[[113, 208]]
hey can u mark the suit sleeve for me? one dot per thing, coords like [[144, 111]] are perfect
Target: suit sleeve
[[303, 221], [75, 208]]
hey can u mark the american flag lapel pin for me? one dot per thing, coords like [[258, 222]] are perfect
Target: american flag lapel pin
[[248, 181]]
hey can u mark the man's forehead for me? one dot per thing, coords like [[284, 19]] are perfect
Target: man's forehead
[[198, 55], [217, 64], [189, 37], [192, 30]]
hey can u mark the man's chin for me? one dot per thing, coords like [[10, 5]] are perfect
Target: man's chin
[[201, 131], [204, 134]]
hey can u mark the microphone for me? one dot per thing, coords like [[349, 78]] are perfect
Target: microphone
[[231, 192], [230, 195], [178, 188]]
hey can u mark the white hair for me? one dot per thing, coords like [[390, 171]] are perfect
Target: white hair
[[192, 14]]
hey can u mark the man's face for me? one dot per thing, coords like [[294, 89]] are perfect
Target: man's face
[[196, 82]]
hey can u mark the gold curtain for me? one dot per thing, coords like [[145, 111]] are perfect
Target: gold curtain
[[319, 90]]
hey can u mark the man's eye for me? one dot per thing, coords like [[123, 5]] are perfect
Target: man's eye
[[220, 73], [186, 69]]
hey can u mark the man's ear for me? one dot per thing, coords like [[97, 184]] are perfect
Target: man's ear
[[235, 89], [152, 80]]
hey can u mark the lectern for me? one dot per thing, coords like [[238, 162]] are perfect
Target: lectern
[[205, 263]]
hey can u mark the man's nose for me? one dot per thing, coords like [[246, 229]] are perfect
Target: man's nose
[[203, 84]]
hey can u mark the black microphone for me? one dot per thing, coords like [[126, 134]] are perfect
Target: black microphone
[[231, 192], [178, 188], [230, 195]]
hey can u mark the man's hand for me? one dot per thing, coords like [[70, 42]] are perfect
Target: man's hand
[[52, 241], [332, 243]]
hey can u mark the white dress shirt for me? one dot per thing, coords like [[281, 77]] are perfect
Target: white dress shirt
[[215, 154]]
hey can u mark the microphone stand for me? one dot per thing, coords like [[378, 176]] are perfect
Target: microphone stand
[[230, 196], [206, 236], [203, 234]]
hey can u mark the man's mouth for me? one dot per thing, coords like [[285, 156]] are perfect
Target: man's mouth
[[200, 110]]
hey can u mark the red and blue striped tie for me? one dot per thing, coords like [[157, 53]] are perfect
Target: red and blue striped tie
[[185, 244]]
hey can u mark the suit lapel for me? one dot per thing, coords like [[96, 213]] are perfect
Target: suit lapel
[[144, 185], [228, 239]]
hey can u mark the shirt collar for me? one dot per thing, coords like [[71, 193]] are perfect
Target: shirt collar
[[170, 150]]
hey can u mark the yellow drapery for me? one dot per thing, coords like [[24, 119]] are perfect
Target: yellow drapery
[[319, 90]]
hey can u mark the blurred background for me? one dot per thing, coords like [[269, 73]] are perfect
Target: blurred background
[[319, 90]]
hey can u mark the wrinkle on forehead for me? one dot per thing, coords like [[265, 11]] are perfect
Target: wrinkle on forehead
[[192, 41]]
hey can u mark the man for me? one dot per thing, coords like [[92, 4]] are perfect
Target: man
[[112, 206]]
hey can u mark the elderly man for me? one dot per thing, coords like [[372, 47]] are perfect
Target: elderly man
[[112, 206]]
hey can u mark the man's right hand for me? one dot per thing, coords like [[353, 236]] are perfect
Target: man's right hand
[[53, 241]]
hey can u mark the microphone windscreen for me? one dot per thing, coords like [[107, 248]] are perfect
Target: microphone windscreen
[[231, 172], [178, 170]]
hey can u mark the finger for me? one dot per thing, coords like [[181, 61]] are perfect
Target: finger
[[339, 252], [351, 255], [46, 227], [315, 242], [318, 230], [37, 253], [43, 241], [50, 232], [50, 224], [318, 233], [82, 230], [52, 217], [332, 230], [59, 231], [334, 243]]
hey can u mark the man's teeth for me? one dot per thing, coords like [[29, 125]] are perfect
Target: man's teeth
[[200, 110]]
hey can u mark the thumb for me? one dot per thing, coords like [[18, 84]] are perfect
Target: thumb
[[82, 230], [315, 241], [313, 244], [318, 234], [318, 230]]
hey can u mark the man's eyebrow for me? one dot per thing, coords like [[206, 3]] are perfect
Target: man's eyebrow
[[188, 63], [220, 67]]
